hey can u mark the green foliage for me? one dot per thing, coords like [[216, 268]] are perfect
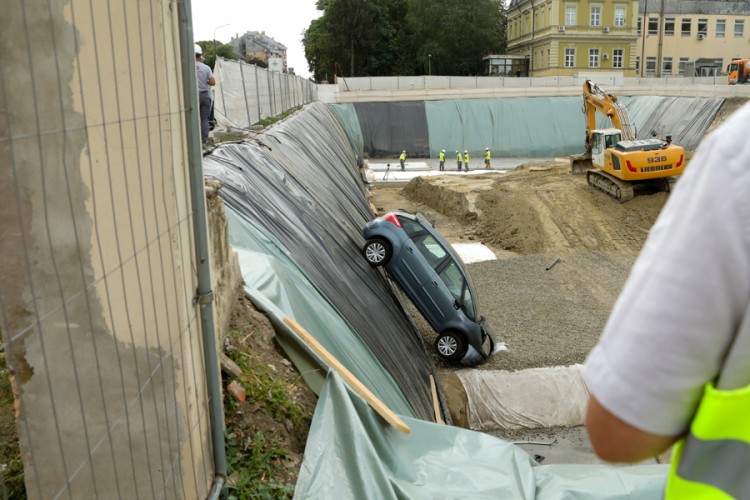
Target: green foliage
[[11, 466], [387, 37], [224, 50], [273, 119], [251, 464]]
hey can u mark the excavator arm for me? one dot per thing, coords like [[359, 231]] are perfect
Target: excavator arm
[[597, 99]]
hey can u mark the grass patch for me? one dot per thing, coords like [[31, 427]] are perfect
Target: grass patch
[[262, 455], [265, 122]]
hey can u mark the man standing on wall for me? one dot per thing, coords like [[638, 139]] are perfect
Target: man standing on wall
[[442, 160], [205, 80]]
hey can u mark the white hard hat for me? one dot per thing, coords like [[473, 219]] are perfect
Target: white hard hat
[[486, 149], [443, 151], [198, 50], [465, 151], [404, 151]]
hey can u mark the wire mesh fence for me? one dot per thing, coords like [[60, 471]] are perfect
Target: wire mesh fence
[[103, 379], [246, 94]]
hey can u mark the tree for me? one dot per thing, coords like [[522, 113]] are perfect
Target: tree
[[386, 37], [224, 50]]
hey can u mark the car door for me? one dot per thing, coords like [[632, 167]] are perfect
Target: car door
[[436, 301]]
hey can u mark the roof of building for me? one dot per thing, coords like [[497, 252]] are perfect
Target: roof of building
[[725, 7], [258, 41]]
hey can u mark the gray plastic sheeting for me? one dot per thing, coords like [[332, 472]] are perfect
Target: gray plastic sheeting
[[299, 182], [370, 460], [513, 127], [686, 119], [347, 115], [540, 127], [391, 127], [278, 287]]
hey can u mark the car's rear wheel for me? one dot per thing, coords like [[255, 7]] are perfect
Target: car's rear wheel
[[377, 251], [451, 346]]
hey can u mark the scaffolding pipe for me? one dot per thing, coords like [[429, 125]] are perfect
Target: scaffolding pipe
[[204, 298]]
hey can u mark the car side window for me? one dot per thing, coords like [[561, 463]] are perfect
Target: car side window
[[468, 303], [412, 228], [453, 279], [431, 250]]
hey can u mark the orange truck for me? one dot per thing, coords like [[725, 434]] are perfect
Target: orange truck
[[738, 71]]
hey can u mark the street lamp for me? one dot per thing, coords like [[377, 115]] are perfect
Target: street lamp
[[215, 29], [429, 64]]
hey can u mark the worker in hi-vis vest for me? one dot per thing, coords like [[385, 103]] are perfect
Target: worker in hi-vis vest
[[466, 161], [487, 156], [402, 159], [459, 160], [678, 371], [442, 160]]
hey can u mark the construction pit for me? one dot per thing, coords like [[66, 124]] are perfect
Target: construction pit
[[530, 217]]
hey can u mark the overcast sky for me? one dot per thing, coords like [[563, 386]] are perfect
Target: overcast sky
[[282, 20]]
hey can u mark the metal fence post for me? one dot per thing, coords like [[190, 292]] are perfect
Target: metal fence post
[[244, 94], [257, 92]]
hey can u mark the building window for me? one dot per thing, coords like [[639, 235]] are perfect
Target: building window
[[669, 26], [593, 58], [549, 59], [683, 61], [596, 16], [570, 58], [686, 27], [703, 27], [721, 27], [666, 66], [617, 58], [739, 28], [650, 66], [653, 25], [620, 17], [570, 16], [637, 63], [542, 25], [639, 25]]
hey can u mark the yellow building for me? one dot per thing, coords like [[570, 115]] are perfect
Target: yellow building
[[691, 38], [571, 37]]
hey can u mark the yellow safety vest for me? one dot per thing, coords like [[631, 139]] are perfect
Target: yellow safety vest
[[466, 157], [487, 155], [711, 462], [402, 157], [459, 157], [442, 156]]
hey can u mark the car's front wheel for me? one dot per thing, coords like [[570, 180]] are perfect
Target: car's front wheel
[[451, 346], [377, 251]]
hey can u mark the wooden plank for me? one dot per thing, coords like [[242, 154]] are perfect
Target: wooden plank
[[436, 401], [353, 382]]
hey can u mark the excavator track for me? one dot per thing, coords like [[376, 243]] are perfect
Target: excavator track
[[624, 191]]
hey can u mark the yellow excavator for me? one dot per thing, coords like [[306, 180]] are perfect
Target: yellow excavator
[[614, 160]]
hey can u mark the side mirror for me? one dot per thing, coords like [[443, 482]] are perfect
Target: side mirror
[[457, 304]]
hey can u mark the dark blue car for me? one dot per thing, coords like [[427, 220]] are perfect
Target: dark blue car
[[434, 277]]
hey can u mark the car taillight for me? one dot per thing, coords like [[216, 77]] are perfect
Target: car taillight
[[391, 217], [630, 167], [679, 163]]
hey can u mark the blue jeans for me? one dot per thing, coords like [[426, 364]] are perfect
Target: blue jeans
[[205, 107]]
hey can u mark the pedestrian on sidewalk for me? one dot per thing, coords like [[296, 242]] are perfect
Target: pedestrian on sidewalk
[[206, 80]]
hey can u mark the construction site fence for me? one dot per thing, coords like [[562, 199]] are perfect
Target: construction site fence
[[246, 93], [396, 83], [106, 383]]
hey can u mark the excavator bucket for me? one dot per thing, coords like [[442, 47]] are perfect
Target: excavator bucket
[[579, 164]]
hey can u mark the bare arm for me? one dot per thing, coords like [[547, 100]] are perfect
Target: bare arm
[[617, 441], [212, 81]]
